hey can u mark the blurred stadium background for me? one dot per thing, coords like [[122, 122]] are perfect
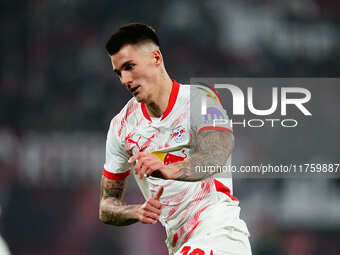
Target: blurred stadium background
[[58, 95]]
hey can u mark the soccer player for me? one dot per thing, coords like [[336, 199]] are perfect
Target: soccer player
[[161, 137]]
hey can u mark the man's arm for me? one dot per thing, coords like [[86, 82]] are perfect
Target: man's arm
[[113, 210], [210, 148]]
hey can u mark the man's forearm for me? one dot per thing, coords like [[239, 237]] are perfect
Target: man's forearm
[[211, 149], [116, 212], [112, 209], [191, 169]]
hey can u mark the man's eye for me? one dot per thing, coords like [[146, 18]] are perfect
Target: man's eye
[[129, 67]]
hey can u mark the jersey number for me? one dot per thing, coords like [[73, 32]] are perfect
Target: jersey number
[[197, 251]]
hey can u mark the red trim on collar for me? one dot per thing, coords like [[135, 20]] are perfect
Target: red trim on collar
[[172, 101], [145, 112]]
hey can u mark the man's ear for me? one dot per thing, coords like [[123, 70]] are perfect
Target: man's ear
[[157, 55]]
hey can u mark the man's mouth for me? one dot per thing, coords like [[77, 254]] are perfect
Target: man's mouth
[[134, 91]]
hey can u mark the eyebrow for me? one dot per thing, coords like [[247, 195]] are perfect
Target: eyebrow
[[117, 71]]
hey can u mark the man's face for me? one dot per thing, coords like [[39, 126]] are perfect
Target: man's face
[[137, 67]]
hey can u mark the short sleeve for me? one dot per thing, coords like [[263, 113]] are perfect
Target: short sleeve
[[207, 112], [116, 165]]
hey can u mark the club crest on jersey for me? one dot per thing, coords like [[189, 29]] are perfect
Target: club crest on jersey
[[178, 134]]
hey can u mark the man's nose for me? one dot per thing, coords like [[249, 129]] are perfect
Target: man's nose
[[126, 79]]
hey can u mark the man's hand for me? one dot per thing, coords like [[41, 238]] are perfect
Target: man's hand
[[150, 211], [146, 164]]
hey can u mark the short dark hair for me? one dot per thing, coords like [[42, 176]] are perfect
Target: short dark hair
[[132, 33]]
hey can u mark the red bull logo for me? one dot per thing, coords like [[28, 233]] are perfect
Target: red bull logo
[[168, 157]]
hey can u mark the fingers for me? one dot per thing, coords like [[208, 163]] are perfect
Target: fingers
[[148, 167], [132, 160], [153, 209], [154, 204], [158, 193], [136, 157], [150, 217], [145, 217], [138, 166], [150, 211], [142, 170], [138, 162], [153, 166], [145, 163]]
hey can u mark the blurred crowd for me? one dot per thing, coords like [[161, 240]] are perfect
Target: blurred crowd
[[58, 95]]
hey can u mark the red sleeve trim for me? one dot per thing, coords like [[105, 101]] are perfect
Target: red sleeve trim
[[220, 187], [113, 176], [214, 128]]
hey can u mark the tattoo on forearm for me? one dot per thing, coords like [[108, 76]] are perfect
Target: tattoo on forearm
[[112, 209], [210, 148], [113, 188]]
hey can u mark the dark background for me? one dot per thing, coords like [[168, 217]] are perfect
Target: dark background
[[58, 95]]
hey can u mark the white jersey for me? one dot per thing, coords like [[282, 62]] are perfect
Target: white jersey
[[186, 205]]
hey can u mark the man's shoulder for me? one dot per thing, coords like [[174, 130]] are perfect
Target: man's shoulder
[[196, 91], [197, 88], [128, 111]]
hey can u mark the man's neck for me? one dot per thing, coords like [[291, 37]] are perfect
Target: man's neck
[[160, 100]]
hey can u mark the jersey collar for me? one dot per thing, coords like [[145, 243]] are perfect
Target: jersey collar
[[172, 101]]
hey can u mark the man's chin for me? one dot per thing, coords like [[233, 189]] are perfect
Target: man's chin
[[139, 99]]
